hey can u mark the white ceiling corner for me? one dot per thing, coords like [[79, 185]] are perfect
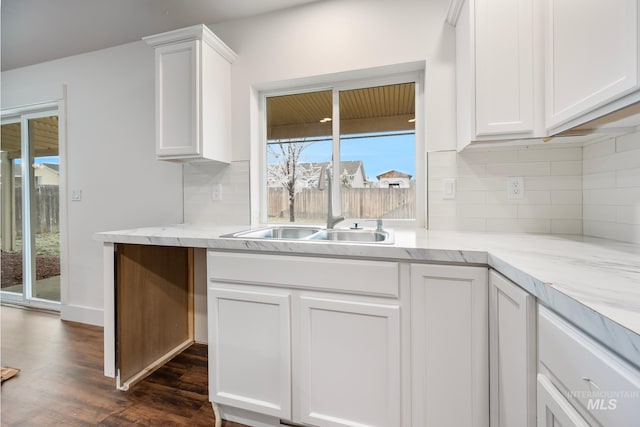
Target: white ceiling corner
[[34, 31]]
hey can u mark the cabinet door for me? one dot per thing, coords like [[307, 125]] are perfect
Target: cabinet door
[[177, 109], [250, 349], [553, 409], [349, 363], [504, 62], [450, 345], [592, 55], [512, 354]]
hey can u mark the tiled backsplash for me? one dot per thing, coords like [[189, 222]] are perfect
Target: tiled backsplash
[[592, 190], [612, 188], [199, 205], [552, 200]]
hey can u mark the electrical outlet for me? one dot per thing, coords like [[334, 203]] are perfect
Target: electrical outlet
[[76, 195], [216, 192], [515, 188]]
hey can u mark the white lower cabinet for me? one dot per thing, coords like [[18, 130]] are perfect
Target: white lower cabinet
[[450, 354], [553, 408], [512, 354], [349, 362], [283, 347], [580, 382], [250, 342]]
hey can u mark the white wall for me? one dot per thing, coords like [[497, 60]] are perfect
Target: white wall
[[552, 181], [110, 157], [331, 37], [342, 35], [612, 188]]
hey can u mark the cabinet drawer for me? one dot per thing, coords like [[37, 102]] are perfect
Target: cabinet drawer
[[376, 278], [595, 380]]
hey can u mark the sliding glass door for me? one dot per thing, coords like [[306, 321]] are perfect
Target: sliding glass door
[[30, 217]]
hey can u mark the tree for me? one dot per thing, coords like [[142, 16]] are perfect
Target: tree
[[284, 169]]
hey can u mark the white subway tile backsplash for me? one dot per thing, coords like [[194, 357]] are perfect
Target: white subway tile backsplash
[[599, 149], [566, 226], [553, 183], [605, 213], [482, 202], [519, 225], [629, 214], [628, 177], [199, 206], [531, 154], [519, 169], [611, 197], [566, 197], [628, 142], [570, 167], [599, 180]]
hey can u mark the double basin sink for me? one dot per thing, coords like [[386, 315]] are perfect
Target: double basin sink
[[314, 233]]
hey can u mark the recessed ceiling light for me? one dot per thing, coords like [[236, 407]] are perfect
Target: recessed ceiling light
[[325, 120]]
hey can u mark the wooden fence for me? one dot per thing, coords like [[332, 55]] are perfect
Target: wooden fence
[[46, 203], [311, 203]]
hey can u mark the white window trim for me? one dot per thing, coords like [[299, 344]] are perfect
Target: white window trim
[[22, 115], [413, 72]]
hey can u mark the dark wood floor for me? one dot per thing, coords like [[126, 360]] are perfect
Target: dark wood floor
[[61, 380]]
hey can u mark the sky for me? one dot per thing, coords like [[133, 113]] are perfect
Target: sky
[[379, 154]]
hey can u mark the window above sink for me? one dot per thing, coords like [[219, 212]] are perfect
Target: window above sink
[[367, 133]]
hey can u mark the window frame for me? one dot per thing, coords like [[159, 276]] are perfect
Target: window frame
[[389, 78]]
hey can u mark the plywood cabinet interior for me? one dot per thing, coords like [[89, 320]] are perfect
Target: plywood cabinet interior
[[154, 308], [193, 95]]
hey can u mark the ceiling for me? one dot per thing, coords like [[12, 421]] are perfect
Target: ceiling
[[35, 31], [43, 132], [367, 110]]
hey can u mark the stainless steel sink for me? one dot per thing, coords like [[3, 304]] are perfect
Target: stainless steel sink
[[278, 232], [314, 233], [368, 236]]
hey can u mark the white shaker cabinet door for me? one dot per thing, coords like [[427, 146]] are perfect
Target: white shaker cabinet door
[[553, 409], [177, 106], [250, 349], [512, 354], [349, 363], [591, 56], [450, 346]]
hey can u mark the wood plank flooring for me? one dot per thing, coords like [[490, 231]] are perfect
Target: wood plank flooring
[[61, 380]]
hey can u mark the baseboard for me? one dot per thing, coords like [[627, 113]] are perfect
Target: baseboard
[[81, 314]]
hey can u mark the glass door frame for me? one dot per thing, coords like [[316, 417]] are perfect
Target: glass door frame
[[22, 116]]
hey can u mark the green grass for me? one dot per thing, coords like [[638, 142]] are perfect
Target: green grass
[[47, 244]]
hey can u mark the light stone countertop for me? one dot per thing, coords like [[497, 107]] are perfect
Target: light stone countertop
[[594, 283]]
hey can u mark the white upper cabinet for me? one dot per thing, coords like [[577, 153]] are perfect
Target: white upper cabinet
[[193, 95], [591, 59], [499, 72]]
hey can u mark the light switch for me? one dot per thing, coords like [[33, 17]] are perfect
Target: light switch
[[448, 188], [76, 195]]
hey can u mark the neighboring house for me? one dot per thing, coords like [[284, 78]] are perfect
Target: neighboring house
[[394, 179], [47, 174], [44, 174], [351, 172]]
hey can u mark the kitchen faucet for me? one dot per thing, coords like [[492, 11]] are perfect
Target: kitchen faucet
[[331, 219]]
